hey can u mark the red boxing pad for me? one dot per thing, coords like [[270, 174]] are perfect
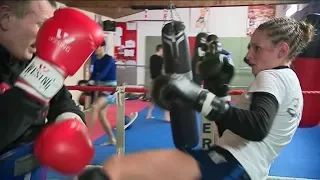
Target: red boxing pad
[[64, 146]]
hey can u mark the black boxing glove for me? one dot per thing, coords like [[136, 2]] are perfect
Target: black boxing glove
[[217, 73], [202, 49], [211, 65], [214, 46], [172, 91], [94, 173]]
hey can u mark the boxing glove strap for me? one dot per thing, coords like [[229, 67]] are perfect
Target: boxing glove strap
[[68, 116], [212, 106], [225, 98], [32, 92], [41, 79]]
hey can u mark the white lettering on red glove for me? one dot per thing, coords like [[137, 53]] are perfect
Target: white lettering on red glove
[[63, 45]]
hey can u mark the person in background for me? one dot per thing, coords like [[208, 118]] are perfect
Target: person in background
[[214, 38], [214, 46], [156, 69], [104, 74]]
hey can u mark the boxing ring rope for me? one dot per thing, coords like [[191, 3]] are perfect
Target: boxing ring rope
[[132, 65], [147, 67], [111, 89], [207, 138], [131, 89]]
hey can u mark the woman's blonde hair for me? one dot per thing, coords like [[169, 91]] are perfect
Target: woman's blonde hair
[[297, 34]]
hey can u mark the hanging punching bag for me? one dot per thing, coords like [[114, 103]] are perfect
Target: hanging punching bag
[[306, 67], [177, 63]]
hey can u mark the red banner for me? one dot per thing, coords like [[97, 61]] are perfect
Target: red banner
[[258, 15], [126, 41]]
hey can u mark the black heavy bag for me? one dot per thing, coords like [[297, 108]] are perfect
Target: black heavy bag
[[198, 53], [306, 67], [176, 52], [177, 63]]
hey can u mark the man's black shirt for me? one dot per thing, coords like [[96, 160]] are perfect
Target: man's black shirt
[[21, 116], [156, 64]]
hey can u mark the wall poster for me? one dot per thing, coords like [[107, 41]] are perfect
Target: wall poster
[[199, 18], [258, 15]]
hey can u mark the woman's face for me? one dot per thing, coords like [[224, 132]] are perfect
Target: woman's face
[[263, 54]]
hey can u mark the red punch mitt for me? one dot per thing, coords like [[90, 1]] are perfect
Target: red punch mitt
[[65, 146]]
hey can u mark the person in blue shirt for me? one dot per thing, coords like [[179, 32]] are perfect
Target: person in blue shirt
[[104, 68], [104, 74]]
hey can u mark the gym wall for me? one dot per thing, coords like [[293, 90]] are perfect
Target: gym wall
[[229, 23]]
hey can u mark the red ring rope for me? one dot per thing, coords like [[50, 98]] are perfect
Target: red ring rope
[[239, 92], [111, 89], [145, 90]]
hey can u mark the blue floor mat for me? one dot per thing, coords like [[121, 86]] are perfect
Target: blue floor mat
[[300, 159]]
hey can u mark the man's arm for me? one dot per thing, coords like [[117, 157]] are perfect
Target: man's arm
[[18, 112], [253, 124], [63, 103]]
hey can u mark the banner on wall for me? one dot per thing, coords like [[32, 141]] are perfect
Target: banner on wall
[[199, 20], [258, 15], [126, 42]]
